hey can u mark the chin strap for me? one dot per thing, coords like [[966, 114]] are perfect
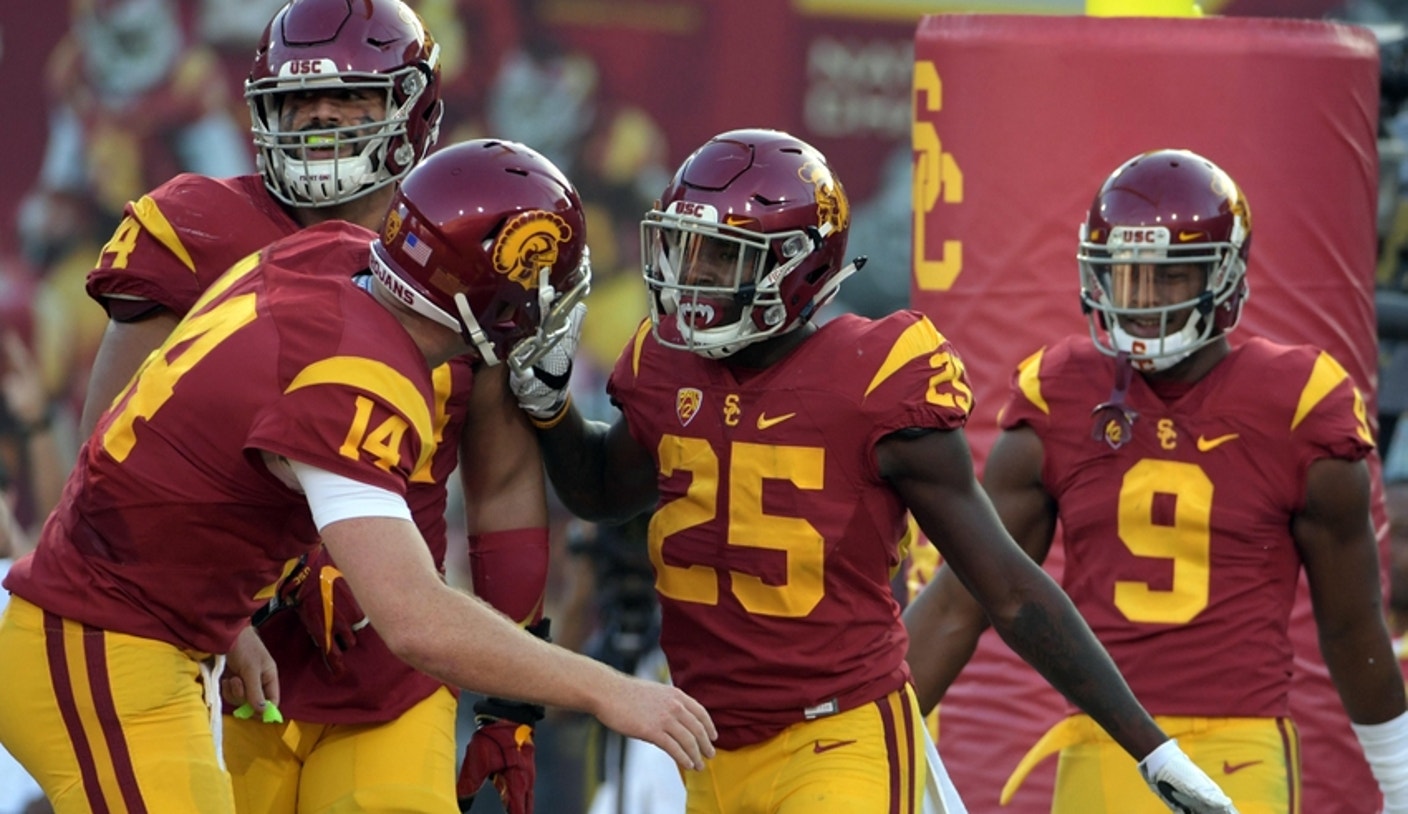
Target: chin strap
[[1114, 421], [830, 287]]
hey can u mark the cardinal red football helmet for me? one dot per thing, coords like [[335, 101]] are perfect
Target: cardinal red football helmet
[[747, 242], [1159, 210], [329, 45], [487, 238]]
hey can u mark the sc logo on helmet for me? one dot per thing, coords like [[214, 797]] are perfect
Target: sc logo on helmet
[[529, 242]]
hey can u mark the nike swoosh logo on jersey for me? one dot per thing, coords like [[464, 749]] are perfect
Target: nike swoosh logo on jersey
[[1209, 444], [1231, 768], [764, 422], [819, 748]]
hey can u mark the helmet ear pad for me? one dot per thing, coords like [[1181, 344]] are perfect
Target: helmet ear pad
[[1227, 315]]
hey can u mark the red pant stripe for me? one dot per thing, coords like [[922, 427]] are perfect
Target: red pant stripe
[[68, 709], [100, 685], [909, 739], [887, 719]]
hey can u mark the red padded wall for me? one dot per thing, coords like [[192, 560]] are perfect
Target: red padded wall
[[1018, 120]]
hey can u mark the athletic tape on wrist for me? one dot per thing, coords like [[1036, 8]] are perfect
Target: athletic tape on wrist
[[1386, 749], [549, 423]]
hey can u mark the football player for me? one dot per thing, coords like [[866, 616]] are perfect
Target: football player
[[780, 457], [345, 100], [1207, 480], [293, 407]]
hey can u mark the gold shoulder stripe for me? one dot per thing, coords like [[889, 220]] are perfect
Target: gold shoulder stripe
[[1326, 374], [638, 345], [919, 339], [1029, 380], [383, 380], [150, 216], [443, 379]]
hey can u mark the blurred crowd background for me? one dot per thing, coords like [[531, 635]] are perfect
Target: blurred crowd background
[[109, 98]]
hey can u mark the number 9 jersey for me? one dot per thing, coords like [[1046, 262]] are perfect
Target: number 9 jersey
[[1180, 523], [775, 537]]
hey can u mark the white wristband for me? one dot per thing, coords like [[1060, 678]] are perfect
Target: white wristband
[[1386, 748], [1154, 762]]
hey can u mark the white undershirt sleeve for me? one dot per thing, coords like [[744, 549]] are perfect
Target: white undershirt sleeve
[[333, 497]]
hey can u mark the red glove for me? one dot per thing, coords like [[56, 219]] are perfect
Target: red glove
[[500, 751], [326, 606]]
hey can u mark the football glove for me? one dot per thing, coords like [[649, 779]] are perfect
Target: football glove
[[316, 590], [1182, 786], [501, 749], [541, 390], [501, 752]]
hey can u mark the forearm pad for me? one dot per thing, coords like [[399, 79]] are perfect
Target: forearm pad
[[509, 570]]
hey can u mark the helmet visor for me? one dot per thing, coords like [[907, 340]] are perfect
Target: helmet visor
[[1137, 286]]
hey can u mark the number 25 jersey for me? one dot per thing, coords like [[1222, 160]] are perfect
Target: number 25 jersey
[[775, 536]]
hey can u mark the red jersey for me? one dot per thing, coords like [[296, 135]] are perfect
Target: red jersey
[[1177, 533], [177, 240], [171, 246], [171, 526], [775, 537], [377, 685]]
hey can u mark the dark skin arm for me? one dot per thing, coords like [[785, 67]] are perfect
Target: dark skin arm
[[599, 471], [933, 474], [1335, 535], [945, 620], [125, 345]]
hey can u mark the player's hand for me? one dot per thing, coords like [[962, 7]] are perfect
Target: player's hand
[[325, 605], [541, 390], [501, 752], [662, 715], [250, 676], [1182, 786]]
